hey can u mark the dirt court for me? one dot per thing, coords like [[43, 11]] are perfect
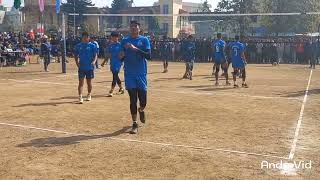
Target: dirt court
[[194, 130]]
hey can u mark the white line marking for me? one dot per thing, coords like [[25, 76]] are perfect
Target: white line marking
[[149, 142], [296, 134]]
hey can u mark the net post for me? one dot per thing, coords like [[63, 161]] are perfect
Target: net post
[[63, 62]]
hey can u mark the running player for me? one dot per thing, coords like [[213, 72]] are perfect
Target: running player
[[113, 52], [87, 52], [136, 52], [46, 52], [165, 54], [238, 61], [220, 59], [189, 48]]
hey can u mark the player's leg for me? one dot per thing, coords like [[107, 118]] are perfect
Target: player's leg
[[90, 76], [225, 69], [142, 95], [113, 84], [234, 74], [166, 64], [217, 73], [81, 75], [46, 63], [244, 76], [118, 81], [133, 94], [190, 70], [185, 76], [214, 69]]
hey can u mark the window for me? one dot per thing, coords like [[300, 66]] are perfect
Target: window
[[165, 27], [166, 9]]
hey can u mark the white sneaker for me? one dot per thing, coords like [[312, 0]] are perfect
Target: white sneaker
[[110, 95], [80, 100], [89, 97]]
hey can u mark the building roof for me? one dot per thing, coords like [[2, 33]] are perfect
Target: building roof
[[181, 11], [141, 9]]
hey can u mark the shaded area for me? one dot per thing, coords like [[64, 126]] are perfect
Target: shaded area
[[222, 87], [46, 104], [77, 97], [167, 79], [155, 73], [301, 93], [63, 141], [102, 82]]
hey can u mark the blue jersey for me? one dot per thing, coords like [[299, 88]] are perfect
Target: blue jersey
[[114, 49], [237, 49], [219, 47], [97, 46], [46, 49], [86, 53], [189, 50], [134, 62]]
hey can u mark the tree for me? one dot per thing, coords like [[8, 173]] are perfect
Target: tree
[[205, 7], [116, 6], [153, 24], [76, 6], [238, 7], [295, 24], [17, 4]]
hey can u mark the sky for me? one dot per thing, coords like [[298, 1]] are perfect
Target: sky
[[101, 3]]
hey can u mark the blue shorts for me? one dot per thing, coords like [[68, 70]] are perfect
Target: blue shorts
[[219, 61], [88, 74], [190, 65], [136, 82], [238, 63]]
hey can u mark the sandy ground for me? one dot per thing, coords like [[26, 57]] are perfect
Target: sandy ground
[[194, 130]]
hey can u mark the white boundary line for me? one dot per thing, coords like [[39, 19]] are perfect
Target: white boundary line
[[296, 134], [148, 142]]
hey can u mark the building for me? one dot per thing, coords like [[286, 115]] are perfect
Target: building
[[174, 25], [192, 7], [10, 19], [33, 17]]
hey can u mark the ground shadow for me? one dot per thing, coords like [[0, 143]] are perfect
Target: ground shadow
[[208, 87], [102, 82], [46, 104], [166, 79], [216, 89], [195, 87], [64, 141], [155, 73], [76, 97], [301, 93]]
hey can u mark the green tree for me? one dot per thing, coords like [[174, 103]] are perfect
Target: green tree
[[205, 7], [116, 6], [153, 24], [297, 24], [17, 4], [239, 7], [79, 7]]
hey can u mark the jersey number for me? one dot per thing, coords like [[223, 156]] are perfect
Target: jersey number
[[217, 49]]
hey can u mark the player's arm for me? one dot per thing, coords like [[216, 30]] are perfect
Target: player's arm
[[106, 58], [95, 52], [76, 56], [146, 52], [243, 56]]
